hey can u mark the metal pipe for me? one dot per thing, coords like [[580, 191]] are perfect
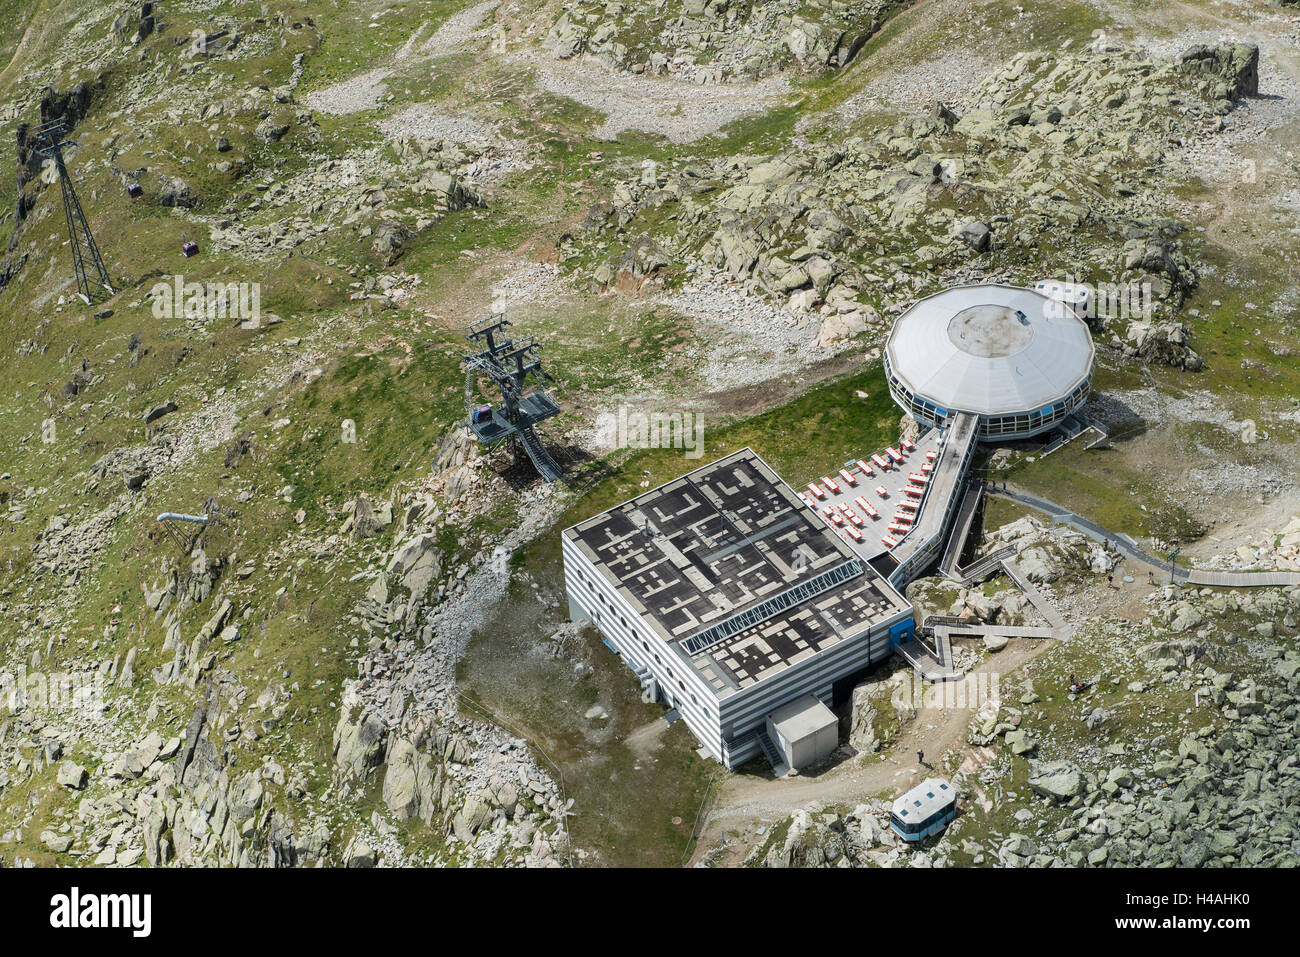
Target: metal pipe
[[177, 517]]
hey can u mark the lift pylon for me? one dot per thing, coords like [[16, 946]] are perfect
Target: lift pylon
[[84, 250], [515, 367]]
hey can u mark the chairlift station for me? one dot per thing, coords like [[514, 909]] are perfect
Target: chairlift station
[[748, 607]]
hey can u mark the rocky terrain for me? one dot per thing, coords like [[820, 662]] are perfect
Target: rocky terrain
[[361, 657], [1062, 150], [1182, 753], [713, 41]]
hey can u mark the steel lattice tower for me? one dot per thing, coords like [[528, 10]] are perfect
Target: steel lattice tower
[[79, 237], [510, 363]]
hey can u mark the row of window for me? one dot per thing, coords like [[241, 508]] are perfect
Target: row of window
[[928, 413], [992, 426]]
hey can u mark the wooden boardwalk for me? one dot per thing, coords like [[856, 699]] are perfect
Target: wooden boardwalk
[[1198, 576], [1045, 608]]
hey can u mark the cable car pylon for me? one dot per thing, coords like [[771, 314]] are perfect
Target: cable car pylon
[[80, 239]]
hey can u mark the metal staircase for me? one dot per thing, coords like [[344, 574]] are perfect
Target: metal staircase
[[779, 767], [541, 459], [983, 567]]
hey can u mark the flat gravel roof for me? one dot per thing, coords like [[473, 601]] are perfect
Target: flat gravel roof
[[721, 541]]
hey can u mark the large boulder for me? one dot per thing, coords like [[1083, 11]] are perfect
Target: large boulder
[[1165, 343], [389, 240], [642, 260], [413, 782], [566, 38], [1058, 780], [416, 564], [366, 521], [870, 704], [812, 44], [976, 235], [358, 738], [1235, 64], [72, 775], [359, 853], [173, 191], [477, 814], [1184, 617], [270, 130], [840, 327]]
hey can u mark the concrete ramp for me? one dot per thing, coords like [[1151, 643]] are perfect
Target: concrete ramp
[[961, 530], [923, 544], [932, 664]]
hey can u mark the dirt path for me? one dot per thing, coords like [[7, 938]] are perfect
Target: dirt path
[[939, 732], [678, 110]]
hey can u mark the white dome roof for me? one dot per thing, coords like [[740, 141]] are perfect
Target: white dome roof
[[990, 349]]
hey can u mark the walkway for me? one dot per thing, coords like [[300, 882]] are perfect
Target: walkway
[[1038, 599], [981, 568], [932, 664], [1006, 631], [1063, 516], [922, 544], [961, 529]]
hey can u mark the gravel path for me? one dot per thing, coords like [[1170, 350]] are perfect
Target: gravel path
[[951, 78], [425, 121], [362, 92], [458, 32], [529, 283], [679, 111]]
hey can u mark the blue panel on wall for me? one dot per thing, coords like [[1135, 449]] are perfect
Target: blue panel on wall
[[901, 631]]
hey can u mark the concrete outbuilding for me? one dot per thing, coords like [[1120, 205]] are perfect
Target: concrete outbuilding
[[804, 731]]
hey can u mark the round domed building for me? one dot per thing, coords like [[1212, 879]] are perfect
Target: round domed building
[[1018, 359]]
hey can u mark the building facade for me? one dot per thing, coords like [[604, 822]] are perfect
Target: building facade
[[1017, 358], [728, 598]]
